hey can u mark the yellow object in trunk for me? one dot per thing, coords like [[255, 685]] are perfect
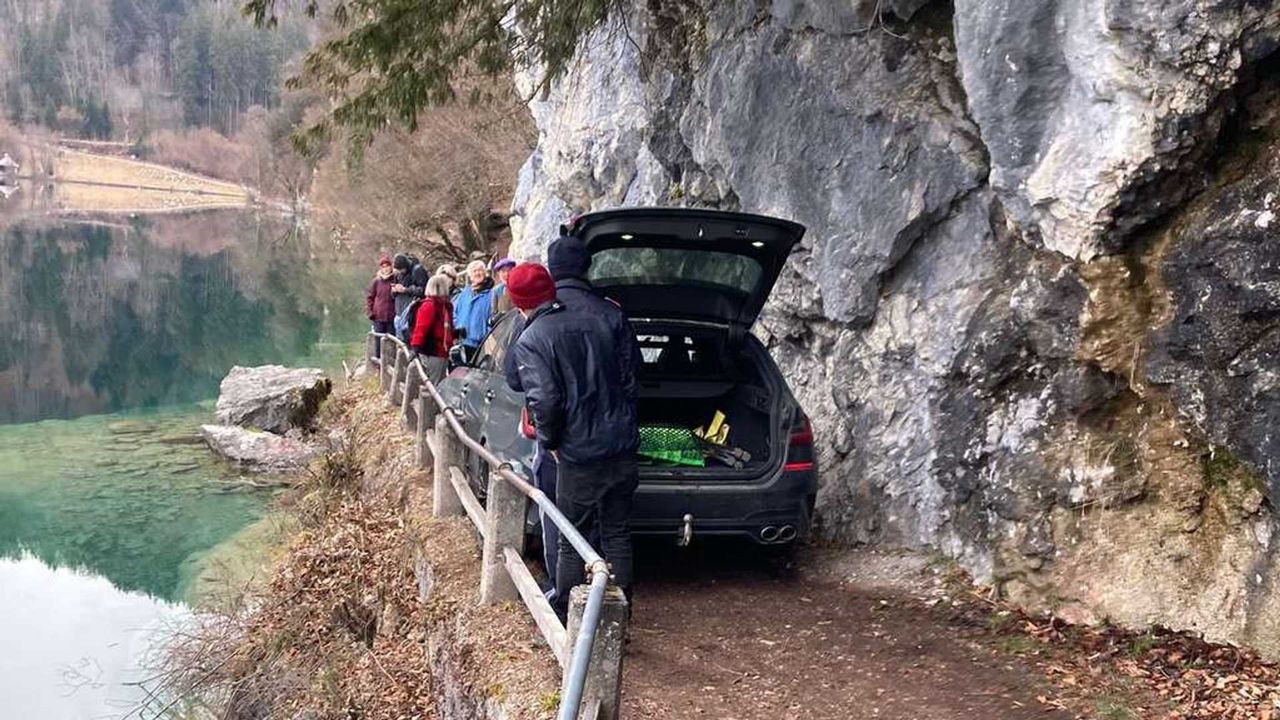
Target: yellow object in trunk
[[716, 432]]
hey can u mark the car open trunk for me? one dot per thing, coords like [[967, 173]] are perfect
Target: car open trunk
[[693, 282], [691, 373]]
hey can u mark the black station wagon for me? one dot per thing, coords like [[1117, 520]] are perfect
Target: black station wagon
[[692, 283]]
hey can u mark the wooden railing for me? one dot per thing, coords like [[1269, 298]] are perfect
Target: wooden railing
[[590, 649]]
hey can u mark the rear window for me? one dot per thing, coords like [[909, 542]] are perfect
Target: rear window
[[674, 266], [681, 356]]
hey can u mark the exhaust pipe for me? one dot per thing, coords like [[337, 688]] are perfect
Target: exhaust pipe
[[786, 533], [769, 533]]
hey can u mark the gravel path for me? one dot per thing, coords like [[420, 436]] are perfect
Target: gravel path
[[722, 632]]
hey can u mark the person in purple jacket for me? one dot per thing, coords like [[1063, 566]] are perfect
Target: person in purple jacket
[[380, 302]]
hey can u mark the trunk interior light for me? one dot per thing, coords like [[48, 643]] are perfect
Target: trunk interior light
[[628, 237], [758, 244]]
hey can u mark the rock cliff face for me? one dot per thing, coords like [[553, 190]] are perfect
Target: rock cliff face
[[1036, 316]]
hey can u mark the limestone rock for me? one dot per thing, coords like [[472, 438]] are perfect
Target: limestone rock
[[969, 318], [1218, 350], [272, 397], [1084, 104], [258, 450]]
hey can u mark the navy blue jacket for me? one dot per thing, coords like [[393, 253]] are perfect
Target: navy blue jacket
[[576, 364]]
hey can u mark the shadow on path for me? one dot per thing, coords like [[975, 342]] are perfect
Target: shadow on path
[[728, 630]]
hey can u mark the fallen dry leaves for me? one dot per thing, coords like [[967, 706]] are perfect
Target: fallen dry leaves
[[1111, 672], [336, 635]]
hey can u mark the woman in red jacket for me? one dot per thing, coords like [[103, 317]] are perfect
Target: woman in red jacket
[[432, 334]]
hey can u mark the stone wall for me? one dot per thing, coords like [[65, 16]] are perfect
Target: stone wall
[[1036, 314]]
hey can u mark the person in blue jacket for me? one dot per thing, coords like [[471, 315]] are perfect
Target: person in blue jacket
[[472, 307]]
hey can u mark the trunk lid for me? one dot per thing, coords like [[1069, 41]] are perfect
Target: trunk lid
[[685, 263]]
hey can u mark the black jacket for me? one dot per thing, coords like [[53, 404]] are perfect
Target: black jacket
[[415, 286], [576, 365], [581, 296]]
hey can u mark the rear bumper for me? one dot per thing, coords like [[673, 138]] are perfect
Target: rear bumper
[[743, 510]]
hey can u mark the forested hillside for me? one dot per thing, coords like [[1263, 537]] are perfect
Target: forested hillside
[[118, 69], [195, 85]]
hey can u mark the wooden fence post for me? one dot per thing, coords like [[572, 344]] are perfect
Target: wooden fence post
[[504, 518], [426, 418], [444, 501], [408, 403], [604, 674], [371, 344], [388, 355], [397, 375]]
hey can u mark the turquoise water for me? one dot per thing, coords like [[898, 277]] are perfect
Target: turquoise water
[[113, 339], [129, 496]]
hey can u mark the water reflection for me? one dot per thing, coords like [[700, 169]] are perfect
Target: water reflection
[[101, 316], [114, 335], [87, 663], [132, 497]]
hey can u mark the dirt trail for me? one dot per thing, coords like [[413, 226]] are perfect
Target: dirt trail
[[719, 632]]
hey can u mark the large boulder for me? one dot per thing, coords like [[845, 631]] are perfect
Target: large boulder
[[272, 397], [257, 450]]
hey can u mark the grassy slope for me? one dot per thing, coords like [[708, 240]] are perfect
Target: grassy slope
[[98, 183]]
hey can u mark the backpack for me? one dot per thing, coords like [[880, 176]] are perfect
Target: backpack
[[404, 321]]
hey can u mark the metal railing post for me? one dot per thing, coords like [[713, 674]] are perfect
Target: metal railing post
[[370, 350], [504, 516], [445, 502], [604, 673], [412, 387], [425, 420]]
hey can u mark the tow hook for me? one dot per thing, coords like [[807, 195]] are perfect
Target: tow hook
[[686, 532]]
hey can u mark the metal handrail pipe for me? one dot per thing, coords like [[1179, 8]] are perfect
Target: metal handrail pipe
[[575, 538], [503, 468], [575, 677]]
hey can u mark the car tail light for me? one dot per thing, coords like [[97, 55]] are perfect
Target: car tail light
[[800, 447], [526, 425]]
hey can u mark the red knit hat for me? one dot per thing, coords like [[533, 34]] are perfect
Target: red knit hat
[[530, 285], [384, 260]]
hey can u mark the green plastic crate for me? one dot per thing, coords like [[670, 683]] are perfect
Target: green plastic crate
[[670, 444]]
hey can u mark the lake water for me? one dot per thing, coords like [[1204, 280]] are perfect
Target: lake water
[[113, 339]]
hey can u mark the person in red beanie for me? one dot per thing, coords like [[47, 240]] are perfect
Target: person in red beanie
[[380, 302], [578, 374]]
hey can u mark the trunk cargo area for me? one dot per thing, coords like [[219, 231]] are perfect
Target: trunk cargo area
[[686, 378]]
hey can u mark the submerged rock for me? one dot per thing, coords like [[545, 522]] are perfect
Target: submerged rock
[[257, 450], [272, 397]]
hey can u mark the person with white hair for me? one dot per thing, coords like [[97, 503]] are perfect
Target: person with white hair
[[472, 307], [451, 272]]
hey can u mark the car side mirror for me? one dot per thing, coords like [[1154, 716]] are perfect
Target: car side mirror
[[457, 356]]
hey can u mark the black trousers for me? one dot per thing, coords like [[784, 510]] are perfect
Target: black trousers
[[596, 495]]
